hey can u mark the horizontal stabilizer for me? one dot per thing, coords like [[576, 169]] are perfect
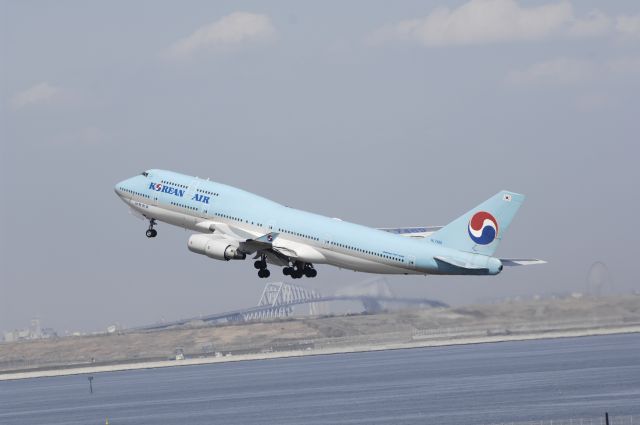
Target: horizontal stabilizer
[[511, 262], [457, 263]]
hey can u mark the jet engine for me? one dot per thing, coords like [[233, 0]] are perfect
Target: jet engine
[[219, 249]]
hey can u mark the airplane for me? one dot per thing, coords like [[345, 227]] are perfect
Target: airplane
[[232, 224]]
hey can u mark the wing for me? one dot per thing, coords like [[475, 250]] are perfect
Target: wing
[[413, 232], [264, 242], [227, 230], [277, 252]]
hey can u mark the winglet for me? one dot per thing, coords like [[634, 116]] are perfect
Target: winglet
[[268, 238], [264, 242]]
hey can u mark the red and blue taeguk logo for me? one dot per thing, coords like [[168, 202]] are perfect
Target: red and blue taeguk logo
[[483, 228]]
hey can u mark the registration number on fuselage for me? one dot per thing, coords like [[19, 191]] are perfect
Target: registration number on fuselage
[[140, 205]]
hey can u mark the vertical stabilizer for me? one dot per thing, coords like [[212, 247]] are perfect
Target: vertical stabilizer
[[481, 229]]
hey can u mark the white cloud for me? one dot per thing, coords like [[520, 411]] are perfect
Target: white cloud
[[594, 25], [501, 21], [557, 71], [482, 21], [236, 29], [35, 95], [628, 26]]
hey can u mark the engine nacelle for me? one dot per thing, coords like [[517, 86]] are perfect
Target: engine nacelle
[[219, 249]]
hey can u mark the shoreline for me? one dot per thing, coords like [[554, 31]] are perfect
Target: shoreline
[[82, 370]]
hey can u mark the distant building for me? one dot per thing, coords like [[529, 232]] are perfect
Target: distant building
[[49, 333], [17, 335], [115, 328], [34, 331]]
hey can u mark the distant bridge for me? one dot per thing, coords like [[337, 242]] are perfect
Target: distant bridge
[[278, 300]]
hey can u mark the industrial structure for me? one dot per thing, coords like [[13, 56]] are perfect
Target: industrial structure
[[34, 331], [278, 300]]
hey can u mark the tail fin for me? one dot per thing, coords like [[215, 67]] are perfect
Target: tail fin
[[481, 229]]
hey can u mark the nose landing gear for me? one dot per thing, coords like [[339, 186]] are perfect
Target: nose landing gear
[[151, 232]]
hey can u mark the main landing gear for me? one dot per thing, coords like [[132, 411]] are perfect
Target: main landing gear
[[261, 265], [300, 269], [151, 232]]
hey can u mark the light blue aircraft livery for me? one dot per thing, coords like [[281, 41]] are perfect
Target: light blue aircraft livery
[[233, 224]]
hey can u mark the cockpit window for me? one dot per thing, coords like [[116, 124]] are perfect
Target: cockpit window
[[144, 173]]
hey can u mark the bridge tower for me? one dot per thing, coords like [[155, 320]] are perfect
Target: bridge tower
[[280, 297]]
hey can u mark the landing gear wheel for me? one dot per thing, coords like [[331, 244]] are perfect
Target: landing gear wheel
[[151, 232], [287, 271], [261, 264], [262, 273], [309, 272]]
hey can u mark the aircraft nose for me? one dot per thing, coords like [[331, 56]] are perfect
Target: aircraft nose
[[119, 188]]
